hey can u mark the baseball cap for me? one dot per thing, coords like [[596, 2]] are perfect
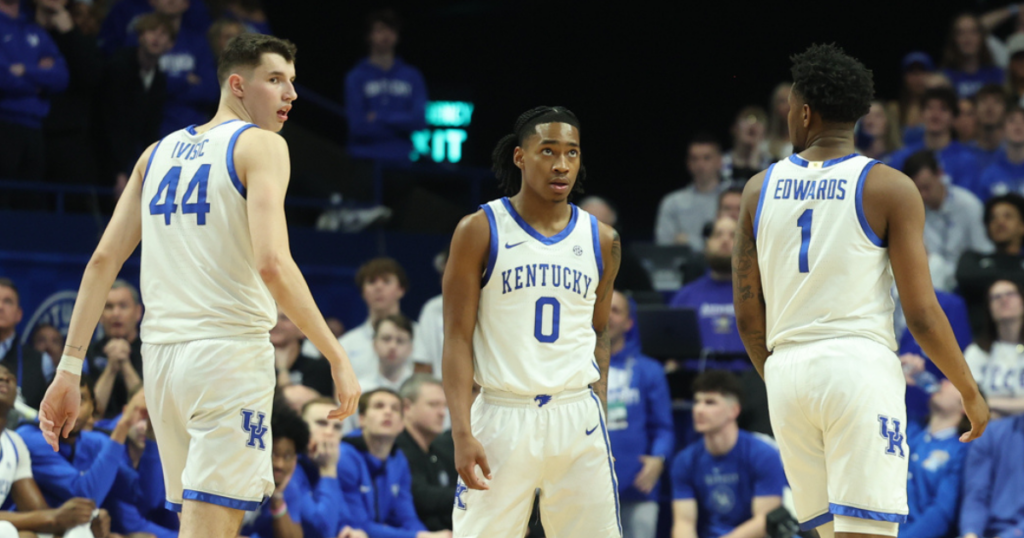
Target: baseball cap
[[918, 58], [1015, 44]]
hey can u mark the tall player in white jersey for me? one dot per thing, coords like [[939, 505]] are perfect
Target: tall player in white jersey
[[821, 237], [527, 293], [208, 204]]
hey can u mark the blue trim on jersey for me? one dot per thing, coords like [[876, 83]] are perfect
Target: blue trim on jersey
[[596, 367], [816, 522], [220, 500], [800, 161], [149, 163], [595, 231], [760, 199], [860, 207], [534, 233], [173, 507], [191, 129], [231, 159], [849, 511], [492, 258], [611, 466]]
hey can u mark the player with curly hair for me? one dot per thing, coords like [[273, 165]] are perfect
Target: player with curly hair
[[822, 237]]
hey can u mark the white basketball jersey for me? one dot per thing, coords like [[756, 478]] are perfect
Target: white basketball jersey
[[824, 272], [199, 278], [15, 462], [534, 332]]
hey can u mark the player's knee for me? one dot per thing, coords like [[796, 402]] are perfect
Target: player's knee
[[855, 527]]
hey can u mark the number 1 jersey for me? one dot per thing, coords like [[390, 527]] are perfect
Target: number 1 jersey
[[199, 277], [824, 271], [535, 321]]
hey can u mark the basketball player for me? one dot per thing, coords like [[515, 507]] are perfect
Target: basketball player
[[527, 293], [208, 204], [812, 280]]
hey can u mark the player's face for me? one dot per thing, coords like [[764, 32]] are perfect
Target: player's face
[[938, 118], [704, 162], [967, 35], [1005, 302], [991, 110], [619, 322], [929, 183], [383, 38], [283, 458], [321, 428], [121, 314], [712, 411], [48, 340], [8, 388], [270, 91], [383, 292], [550, 160], [429, 410], [730, 206], [383, 416], [10, 311], [285, 332], [392, 344], [966, 122], [1015, 128], [1006, 224]]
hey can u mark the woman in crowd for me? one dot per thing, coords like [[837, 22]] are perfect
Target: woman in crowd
[[967, 60], [779, 145], [996, 357], [878, 133]]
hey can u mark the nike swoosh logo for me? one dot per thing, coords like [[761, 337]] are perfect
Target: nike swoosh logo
[[514, 245], [591, 430]]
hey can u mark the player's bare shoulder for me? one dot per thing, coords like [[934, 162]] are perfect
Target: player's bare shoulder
[[473, 234], [259, 149], [889, 191]]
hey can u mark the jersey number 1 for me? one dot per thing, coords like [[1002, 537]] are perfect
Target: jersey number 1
[[804, 223], [170, 184]]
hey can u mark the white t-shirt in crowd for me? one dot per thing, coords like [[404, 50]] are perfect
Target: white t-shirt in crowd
[[1000, 372]]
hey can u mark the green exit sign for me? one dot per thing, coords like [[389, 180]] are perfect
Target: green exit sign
[[443, 140]]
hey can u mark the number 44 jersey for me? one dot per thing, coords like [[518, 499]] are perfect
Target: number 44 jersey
[[199, 277], [824, 271], [535, 330]]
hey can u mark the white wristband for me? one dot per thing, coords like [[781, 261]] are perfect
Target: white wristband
[[70, 365]]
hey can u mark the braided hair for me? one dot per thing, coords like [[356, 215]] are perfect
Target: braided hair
[[508, 174]]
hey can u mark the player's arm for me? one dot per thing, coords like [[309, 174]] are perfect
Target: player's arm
[[684, 518], [894, 206], [261, 158], [611, 254], [461, 298], [756, 526], [747, 294]]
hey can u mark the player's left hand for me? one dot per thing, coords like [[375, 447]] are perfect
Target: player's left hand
[[649, 473], [59, 409]]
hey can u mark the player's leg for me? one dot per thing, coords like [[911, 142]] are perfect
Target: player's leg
[[201, 520], [164, 414]]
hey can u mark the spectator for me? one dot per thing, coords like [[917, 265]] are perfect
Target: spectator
[[996, 17], [878, 134], [1015, 72], [385, 98], [133, 97], [294, 368], [966, 123], [316, 475], [749, 154], [779, 146], [939, 108], [639, 423], [431, 334], [1004, 222], [47, 339], [374, 474], [991, 113], [632, 274], [222, 31], [967, 60], [728, 204], [993, 474], [683, 213], [995, 357], [711, 295], [425, 409], [953, 219], [191, 70], [34, 71], [117, 358], [729, 480], [249, 13], [392, 342], [118, 27], [383, 283], [34, 369], [297, 396], [1006, 173], [917, 67]]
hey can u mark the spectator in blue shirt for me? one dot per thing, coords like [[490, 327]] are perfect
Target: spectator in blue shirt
[[993, 476], [1006, 173], [119, 24], [730, 480], [639, 423], [990, 105], [938, 108], [385, 98], [967, 60], [145, 511], [31, 70], [316, 475]]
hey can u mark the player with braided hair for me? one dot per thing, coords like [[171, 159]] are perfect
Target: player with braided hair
[[527, 294]]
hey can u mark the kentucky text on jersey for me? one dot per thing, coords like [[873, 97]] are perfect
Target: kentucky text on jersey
[[801, 189], [551, 275]]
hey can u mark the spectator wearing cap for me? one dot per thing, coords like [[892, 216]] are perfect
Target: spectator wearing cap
[[917, 66], [967, 60], [990, 110], [1004, 222], [1015, 71], [1006, 173]]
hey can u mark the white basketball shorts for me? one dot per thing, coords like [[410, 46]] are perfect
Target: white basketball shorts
[[210, 403]]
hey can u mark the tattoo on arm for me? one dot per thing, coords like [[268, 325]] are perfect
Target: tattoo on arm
[[745, 277], [76, 348]]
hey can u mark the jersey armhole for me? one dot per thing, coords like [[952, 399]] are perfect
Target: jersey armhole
[[492, 257], [149, 164], [760, 199], [231, 159], [861, 216], [596, 233]]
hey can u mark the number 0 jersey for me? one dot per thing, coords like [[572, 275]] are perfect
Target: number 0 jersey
[[534, 332], [199, 278], [824, 272]]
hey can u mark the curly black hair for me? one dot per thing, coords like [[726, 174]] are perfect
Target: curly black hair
[[286, 424], [833, 84], [508, 174]]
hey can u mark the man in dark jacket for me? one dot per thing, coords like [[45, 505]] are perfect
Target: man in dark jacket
[[24, 361], [433, 471]]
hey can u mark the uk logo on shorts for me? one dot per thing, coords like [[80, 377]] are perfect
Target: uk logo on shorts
[[893, 436], [460, 488], [254, 428]]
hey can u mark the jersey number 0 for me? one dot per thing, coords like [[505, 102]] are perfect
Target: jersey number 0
[[170, 184]]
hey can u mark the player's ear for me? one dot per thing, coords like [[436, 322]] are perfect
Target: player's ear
[[518, 157], [805, 115], [234, 83]]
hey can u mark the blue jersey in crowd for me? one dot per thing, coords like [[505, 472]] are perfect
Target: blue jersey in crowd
[[144, 512], [712, 299], [993, 503], [956, 159], [725, 486], [379, 493], [1001, 177], [933, 482], [968, 84], [25, 99], [323, 511], [118, 26], [397, 98], [639, 417]]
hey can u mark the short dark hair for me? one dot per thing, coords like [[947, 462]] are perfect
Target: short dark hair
[[364, 400], [8, 283], [1014, 109], [703, 138], [835, 85], [720, 381], [156, 21], [921, 160], [946, 96], [379, 267], [733, 189], [287, 424], [1012, 198], [994, 90], [388, 17], [399, 320], [247, 50]]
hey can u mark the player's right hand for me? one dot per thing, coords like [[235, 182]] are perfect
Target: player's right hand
[[59, 409], [75, 512], [977, 412], [347, 391], [468, 454]]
